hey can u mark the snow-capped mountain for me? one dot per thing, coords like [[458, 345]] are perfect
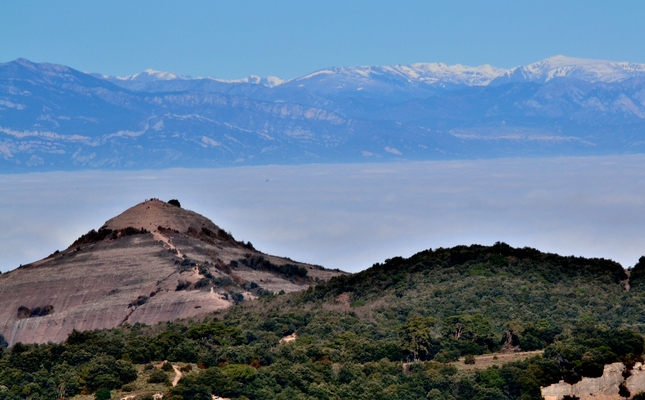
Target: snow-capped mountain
[[576, 68], [390, 83], [148, 75], [55, 117], [438, 74], [411, 76]]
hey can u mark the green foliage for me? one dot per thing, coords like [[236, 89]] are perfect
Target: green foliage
[[357, 334], [93, 236], [637, 276], [286, 270], [416, 336], [538, 335], [103, 394], [590, 346], [239, 372], [158, 376], [106, 372]]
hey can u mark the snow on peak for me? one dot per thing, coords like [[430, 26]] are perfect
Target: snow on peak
[[269, 81], [149, 75], [162, 76], [419, 73], [458, 74], [441, 74], [578, 68], [428, 74], [318, 73]]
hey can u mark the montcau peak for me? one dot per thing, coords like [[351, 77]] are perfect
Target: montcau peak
[[154, 262]]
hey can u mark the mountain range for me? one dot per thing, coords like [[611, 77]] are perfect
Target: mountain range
[[54, 117]]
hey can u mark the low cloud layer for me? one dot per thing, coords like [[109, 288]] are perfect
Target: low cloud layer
[[351, 216]]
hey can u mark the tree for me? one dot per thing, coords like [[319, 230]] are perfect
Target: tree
[[474, 328], [416, 337], [175, 203]]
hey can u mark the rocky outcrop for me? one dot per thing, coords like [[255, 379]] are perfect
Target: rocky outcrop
[[605, 387], [635, 382], [167, 270]]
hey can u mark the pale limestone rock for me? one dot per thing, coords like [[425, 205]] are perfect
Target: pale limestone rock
[[605, 387], [602, 388], [636, 381]]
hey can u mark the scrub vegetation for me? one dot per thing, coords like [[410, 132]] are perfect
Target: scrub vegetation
[[394, 331]]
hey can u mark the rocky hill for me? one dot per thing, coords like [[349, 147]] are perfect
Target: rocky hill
[[154, 262]]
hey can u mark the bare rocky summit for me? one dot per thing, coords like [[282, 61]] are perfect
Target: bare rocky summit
[[154, 262]]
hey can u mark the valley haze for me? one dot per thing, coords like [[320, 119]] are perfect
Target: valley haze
[[350, 216]]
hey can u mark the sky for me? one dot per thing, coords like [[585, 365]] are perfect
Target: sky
[[339, 216], [352, 216], [234, 39]]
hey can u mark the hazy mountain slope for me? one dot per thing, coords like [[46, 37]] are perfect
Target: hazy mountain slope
[[54, 117]]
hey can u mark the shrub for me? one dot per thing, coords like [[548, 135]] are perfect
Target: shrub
[[103, 394], [167, 367], [203, 282], [130, 387], [237, 297], [24, 312], [139, 301], [175, 203], [469, 359], [158, 376]]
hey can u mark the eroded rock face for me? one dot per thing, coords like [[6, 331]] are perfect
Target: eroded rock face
[[635, 382], [127, 278], [606, 387]]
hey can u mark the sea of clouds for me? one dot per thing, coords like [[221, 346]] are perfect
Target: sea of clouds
[[350, 216]]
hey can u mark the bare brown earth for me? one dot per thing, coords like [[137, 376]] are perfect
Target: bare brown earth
[[129, 278], [489, 360]]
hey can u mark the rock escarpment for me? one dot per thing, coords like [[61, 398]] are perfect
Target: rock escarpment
[[605, 387], [154, 262]]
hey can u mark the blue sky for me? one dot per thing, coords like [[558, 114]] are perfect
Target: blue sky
[[233, 39]]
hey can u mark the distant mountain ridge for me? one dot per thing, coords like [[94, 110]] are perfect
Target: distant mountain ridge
[[53, 117], [433, 73]]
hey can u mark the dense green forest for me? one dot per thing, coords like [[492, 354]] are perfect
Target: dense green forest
[[390, 332]]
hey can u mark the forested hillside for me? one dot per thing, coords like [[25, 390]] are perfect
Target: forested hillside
[[393, 331]]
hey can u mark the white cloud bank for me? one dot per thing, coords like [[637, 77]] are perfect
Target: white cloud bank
[[351, 216]]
